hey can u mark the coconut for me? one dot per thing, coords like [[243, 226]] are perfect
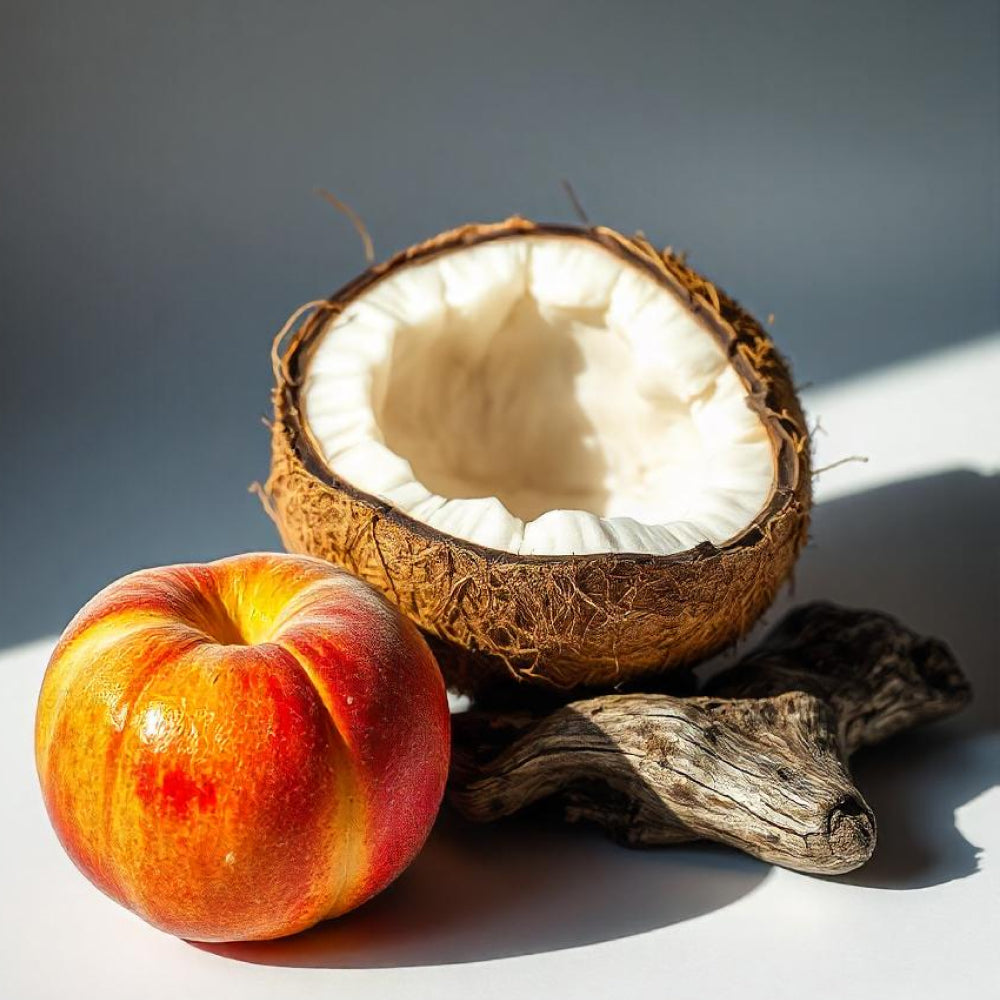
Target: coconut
[[563, 453]]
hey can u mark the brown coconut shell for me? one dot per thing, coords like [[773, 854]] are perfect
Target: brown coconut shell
[[573, 622]]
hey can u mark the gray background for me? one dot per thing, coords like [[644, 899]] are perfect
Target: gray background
[[832, 163]]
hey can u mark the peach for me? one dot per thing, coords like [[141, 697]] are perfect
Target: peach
[[240, 749]]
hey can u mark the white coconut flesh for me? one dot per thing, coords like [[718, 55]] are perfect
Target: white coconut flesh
[[541, 396]]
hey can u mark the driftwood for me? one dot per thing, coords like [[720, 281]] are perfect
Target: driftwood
[[758, 760]]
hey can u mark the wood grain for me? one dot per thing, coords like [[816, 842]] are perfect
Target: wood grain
[[758, 760]]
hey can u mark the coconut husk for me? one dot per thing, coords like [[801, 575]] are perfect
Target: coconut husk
[[561, 622]]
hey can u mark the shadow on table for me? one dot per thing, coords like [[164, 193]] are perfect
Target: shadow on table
[[914, 785], [515, 888], [928, 551], [924, 550]]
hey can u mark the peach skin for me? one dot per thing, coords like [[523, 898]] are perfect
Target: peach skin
[[240, 749]]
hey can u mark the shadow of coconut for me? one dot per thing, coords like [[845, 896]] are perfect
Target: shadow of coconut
[[519, 887], [924, 550]]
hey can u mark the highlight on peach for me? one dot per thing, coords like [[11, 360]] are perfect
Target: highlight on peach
[[240, 749]]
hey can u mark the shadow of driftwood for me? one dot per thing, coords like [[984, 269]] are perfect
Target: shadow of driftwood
[[517, 888], [926, 551], [915, 785]]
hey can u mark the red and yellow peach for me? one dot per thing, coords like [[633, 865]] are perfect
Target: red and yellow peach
[[240, 749]]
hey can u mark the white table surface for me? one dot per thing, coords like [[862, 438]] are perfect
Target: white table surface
[[525, 910]]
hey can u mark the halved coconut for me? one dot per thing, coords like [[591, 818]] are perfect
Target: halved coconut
[[560, 451]]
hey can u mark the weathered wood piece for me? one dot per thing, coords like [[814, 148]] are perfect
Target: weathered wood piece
[[757, 761]]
